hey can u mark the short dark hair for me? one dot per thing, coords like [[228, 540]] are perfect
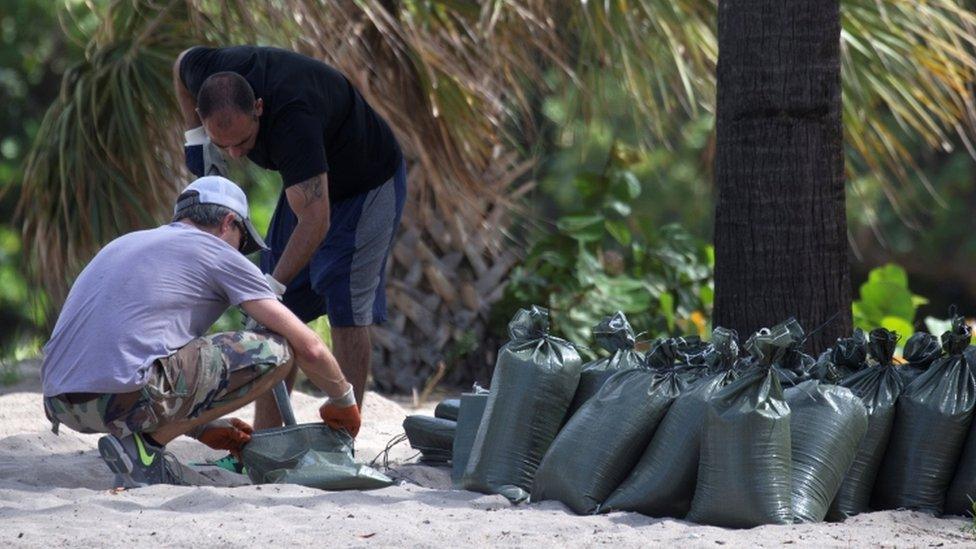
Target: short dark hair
[[222, 91], [203, 215]]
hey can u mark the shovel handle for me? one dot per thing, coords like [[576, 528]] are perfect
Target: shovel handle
[[283, 401]]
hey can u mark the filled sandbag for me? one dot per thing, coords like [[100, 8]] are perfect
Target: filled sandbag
[[827, 423], [470, 411], [433, 437], [779, 349], [685, 354], [921, 350], [601, 443], [962, 491], [745, 469], [932, 420], [448, 409], [615, 336], [843, 359], [535, 379], [878, 387], [662, 482]]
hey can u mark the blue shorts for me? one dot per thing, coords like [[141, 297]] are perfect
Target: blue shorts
[[346, 277]]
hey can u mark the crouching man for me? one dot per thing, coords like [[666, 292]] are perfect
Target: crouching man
[[128, 355]]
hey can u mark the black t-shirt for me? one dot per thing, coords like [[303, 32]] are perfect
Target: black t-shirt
[[314, 120]]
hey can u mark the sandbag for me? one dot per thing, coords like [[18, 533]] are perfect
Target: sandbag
[[878, 387], [601, 443], [448, 409], [662, 482], [535, 379], [311, 455], [432, 436], [962, 491], [614, 335], [686, 355], [921, 350], [843, 359], [932, 420], [470, 412], [827, 424], [778, 348], [744, 472]]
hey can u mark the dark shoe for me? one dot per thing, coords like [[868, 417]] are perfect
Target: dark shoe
[[137, 463]]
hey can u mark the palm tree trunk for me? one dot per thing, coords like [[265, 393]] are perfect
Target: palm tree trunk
[[780, 224]]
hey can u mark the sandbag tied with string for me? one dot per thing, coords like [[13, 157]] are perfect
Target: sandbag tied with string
[[932, 420], [877, 386], [535, 379], [921, 350], [745, 467], [662, 482], [603, 441], [847, 356], [827, 423], [615, 336], [682, 359], [778, 348]]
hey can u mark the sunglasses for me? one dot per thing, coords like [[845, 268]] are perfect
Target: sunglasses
[[244, 235]]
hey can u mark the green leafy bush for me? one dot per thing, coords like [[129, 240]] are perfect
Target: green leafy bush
[[599, 260], [886, 302]]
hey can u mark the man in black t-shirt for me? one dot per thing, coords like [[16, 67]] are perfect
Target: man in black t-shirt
[[343, 176]]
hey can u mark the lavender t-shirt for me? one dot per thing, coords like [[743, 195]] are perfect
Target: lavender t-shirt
[[142, 297]]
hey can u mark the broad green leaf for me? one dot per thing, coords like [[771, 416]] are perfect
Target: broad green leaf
[[619, 231], [667, 309], [583, 228], [900, 325]]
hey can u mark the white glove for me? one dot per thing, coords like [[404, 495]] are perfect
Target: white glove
[[202, 156], [277, 287], [347, 399]]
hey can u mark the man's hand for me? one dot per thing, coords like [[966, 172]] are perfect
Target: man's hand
[[342, 413], [227, 434]]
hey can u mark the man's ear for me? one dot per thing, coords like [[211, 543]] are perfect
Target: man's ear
[[227, 222], [258, 106]]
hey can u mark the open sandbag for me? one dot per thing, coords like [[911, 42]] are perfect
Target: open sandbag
[[614, 335], [932, 421], [878, 387], [745, 470], [535, 379], [662, 483], [601, 443], [827, 423], [470, 411]]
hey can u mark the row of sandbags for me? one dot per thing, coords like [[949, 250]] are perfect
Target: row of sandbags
[[691, 430]]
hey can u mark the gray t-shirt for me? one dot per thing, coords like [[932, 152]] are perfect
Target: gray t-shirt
[[142, 297]]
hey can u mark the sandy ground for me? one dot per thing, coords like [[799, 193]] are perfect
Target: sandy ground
[[53, 492]]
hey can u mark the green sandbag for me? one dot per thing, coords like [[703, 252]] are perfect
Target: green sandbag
[[827, 424], [921, 350], [604, 439], [843, 359], [962, 491], [687, 354], [878, 387], [932, 420], [663, 481], [745, 467], [432, 436], [534, 382], [311, 455], [615, 335], [448, 409], [779, 349], [470, 412]]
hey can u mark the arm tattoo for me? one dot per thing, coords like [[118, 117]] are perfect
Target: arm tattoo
[[312, 189]]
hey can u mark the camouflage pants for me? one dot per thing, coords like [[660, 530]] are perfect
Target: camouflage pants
[[206, 373]]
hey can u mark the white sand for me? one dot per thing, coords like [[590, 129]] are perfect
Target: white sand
[[53, 491]]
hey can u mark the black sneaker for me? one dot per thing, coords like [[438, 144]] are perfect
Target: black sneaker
[[137, 463]]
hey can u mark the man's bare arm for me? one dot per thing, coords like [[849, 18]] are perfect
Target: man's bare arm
[[310, 202], [311, 354], [188, 103]]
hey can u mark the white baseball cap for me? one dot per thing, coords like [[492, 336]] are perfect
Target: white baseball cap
[[214, 189]]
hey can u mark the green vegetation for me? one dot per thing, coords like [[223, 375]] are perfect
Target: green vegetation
[[886, 302]]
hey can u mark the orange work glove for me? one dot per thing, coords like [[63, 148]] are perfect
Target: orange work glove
[[342, 413], [227, 434]]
